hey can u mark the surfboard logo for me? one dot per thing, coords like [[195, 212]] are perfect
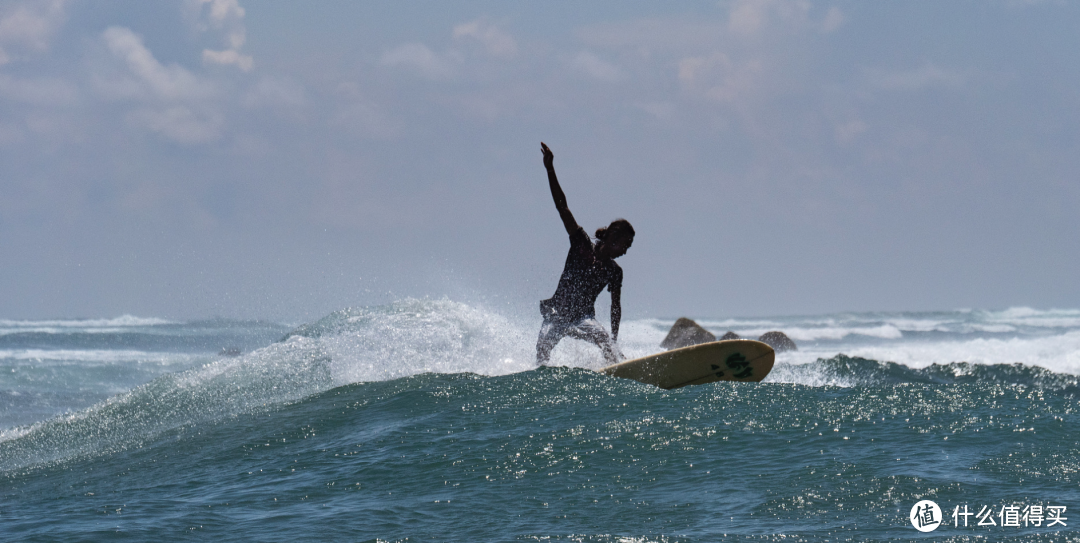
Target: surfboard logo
[[739, 365]]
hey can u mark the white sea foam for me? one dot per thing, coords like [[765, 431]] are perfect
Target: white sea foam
[[124, 321], [97, 356], [731, 324], [7, 434], [421, 336], [118, 325], [885, 331], [1059, 353], [1026, 316]]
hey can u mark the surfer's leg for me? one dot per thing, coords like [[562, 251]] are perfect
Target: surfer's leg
[[591, 330], [550, 334]]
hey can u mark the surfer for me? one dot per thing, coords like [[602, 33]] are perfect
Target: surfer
[[588, 269]]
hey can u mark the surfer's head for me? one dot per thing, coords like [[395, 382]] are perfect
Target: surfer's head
[[615, 238]]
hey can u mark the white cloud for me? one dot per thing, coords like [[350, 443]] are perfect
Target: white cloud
[[748, 18], [29, 26], [497, 42], [596, 67], [418, 57], [227, 16], [763, 18], [222, 11], [227, 57], [153, 80], [179, 105], [740, 58]]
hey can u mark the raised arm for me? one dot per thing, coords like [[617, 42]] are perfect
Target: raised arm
[[556, 191]]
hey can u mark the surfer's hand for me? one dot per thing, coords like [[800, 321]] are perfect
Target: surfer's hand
[[549, 157]]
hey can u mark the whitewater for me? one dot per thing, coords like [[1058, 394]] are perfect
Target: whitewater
[[428, 420]]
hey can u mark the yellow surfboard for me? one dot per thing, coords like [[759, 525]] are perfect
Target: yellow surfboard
[[729, 360]]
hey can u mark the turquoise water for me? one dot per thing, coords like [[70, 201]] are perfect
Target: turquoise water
[[422, 421]]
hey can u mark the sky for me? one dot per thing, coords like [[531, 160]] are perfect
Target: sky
[[231, 158]]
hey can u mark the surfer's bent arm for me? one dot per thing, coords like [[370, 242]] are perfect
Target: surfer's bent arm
[[556, 191]]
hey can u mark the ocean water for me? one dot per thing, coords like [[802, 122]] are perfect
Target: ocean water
[[426, 420]]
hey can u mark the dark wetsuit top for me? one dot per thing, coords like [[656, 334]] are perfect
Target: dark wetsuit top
[[583, 279]]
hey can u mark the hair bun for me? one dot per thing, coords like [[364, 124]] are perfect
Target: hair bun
[[601, 232]]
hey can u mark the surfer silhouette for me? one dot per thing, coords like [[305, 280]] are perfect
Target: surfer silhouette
[[588, 270]]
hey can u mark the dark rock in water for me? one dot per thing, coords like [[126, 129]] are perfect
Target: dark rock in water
[[230, 351], [730, 335], [778, 341], [685, 333]]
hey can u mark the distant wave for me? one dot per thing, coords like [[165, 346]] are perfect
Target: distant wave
[[90, 356], [123, 321], [1058, 352], [843, 370], [884, 331], [895, 325]]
